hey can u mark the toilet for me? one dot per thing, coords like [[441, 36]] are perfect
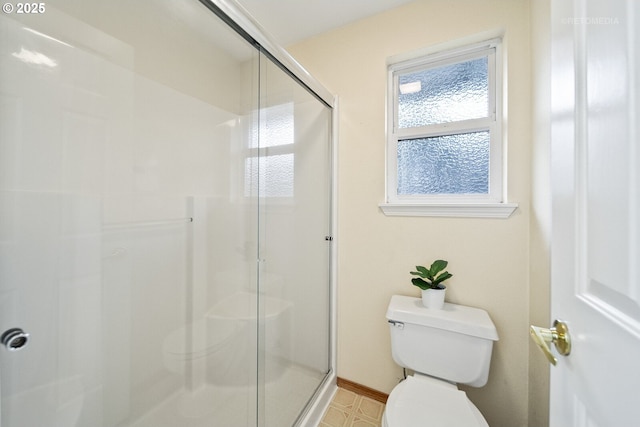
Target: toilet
[[443, 348]]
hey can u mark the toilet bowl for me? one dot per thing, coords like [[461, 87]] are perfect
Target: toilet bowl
[[446, 405], [444, 348]]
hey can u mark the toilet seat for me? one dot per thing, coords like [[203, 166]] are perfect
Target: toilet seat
[[421, 401]]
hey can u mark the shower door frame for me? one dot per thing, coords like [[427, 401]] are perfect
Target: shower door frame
[[246, 26]]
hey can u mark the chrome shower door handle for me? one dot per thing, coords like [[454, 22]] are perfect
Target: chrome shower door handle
[[558, 335], [14, 339]]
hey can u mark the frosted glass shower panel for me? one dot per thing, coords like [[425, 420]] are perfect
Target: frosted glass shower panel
[[450, 164], [444, 94]]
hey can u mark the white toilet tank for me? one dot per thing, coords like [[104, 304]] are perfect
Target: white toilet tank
[[453, 344]]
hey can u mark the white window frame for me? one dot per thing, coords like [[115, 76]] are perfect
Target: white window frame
[[493, 204]]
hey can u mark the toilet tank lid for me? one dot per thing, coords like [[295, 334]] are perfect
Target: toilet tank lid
[[452, 317]]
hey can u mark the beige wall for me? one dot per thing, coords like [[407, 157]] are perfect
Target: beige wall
[[491, 259], [540, 206]]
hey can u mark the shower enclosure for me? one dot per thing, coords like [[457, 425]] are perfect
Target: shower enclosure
[[165, 220]]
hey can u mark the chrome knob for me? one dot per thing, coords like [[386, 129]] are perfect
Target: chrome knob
[[14, 339]]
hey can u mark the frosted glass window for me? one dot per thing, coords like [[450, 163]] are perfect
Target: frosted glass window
[[444, 94], [274, 175], [450, 164], [276, 126], [444, 130]]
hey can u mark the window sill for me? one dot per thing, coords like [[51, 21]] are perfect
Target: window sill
[[457, 210]]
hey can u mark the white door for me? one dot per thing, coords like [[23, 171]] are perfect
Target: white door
[[596, 211]]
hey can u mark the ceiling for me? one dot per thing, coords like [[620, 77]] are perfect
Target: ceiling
[[289, 21]]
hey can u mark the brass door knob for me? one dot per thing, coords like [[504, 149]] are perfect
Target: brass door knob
[[558, 335]]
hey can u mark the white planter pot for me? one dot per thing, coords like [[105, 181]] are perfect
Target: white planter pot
[[433, 298]]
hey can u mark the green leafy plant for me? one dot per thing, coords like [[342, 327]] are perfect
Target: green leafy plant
[[432, 277]]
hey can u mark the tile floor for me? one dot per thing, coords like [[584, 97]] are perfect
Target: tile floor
[[348, 409]]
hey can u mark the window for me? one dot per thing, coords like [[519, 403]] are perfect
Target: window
[[444, 147], [270, 161]]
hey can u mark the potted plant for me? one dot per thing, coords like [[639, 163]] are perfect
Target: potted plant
[[430, 281]]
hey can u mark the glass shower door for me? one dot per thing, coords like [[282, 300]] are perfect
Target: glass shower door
[[128, 239], [293, 152], [164, 213]]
